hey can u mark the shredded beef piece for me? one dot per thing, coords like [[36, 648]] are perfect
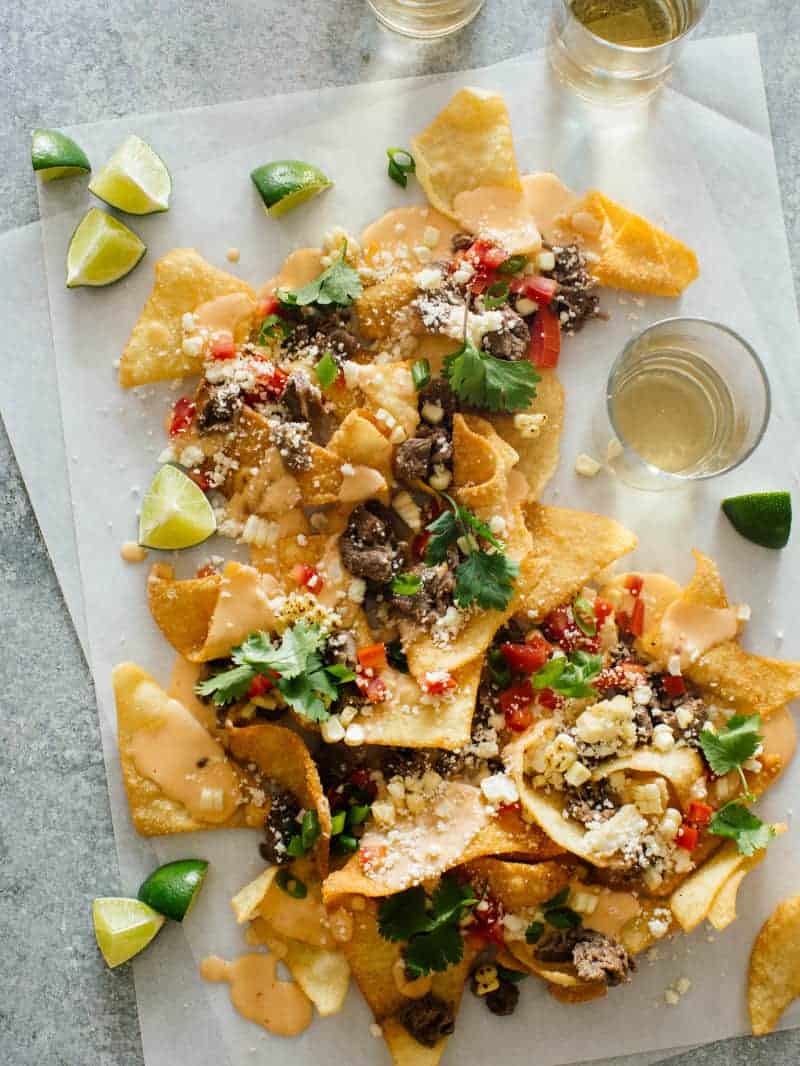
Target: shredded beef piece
[[413, 459], [441, 439], [404, 762], [435, 594], [438, 391], [503, 1001], [305, 403], [590, 803], [292, 440], [218, 410], [644, 726], [280, 827], [512, 340], [368, 545], [343, 343], [427, 1019], [577, 290], [669, 715], [449, 763], [342, 646], [599, 957], [459, 242], [557, 945]]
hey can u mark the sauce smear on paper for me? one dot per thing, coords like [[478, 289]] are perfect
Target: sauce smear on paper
[[260, 995]]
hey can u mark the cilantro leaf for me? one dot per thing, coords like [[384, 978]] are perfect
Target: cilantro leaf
[[339, 284], [274, 328], [229, 686], [444, 531], [434, 951], [403, 915], [570, 675], [733, 745], [482, 380], [449, 899], [511, 976], [738, 823], [563, 918], [486, 580], [289, 659], [396, 656], [327, 370], [429, 928], [533, 934], [558, 900]]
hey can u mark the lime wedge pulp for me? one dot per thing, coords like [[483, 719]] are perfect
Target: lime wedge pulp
[[123, 927], [134, 179], [764, 518], [175, 512], [54, 155], [102, 250], [172, 889], [286, 183]]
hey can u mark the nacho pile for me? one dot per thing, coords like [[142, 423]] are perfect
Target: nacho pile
[[471, 755]]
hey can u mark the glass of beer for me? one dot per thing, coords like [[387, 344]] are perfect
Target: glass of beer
[[687, 399], [425, 18], [618, 51]]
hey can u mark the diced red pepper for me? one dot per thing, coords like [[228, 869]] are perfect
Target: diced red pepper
[[687, 837], [309, 577], [437, 682], [222, 345], [183, 413], [637, 618], [529, 657], [267, 305], [510, 808], [208, 570], [602, 610], [419, 545], [699, 814], [200, 479], [487, 254], [372, 689], [488, 925], [674, 685], [259, 686], [373, 657], [540, 290], [634, 584], [545, 339], [549, 699]]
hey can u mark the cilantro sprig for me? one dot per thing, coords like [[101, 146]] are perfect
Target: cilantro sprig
[[294, 666], [429, 927], [483, 577], [555, 912], [570, 675], [484, 381], [738, 823], [339, 284]]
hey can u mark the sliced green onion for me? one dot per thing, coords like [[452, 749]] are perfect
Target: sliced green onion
[[273, 328], [512, 265], [340, 673], [344, 843], [327, 370], [358, 813], [406, 584], [512, 976], [396, 656], [310, 829], [583, 613], [291, 885], [496, 295], [338, 822], [421, 373], [401, 164], [563, 918]]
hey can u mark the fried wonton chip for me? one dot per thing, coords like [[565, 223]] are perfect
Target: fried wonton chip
[[388, 389], [392, 242], [203, 618], [174, 793], [184, 281], [373, 961], [774, 975], [536, 445], [569, 549], [384, 309], [282, 756], [468, 145], [518, 885]]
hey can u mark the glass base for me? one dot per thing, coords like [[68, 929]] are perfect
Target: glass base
[[425, 19]]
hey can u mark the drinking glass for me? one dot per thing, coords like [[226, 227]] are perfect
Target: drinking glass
[[425, 18], [687, 399], [603, 72]]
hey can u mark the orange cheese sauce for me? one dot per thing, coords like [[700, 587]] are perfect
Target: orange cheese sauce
[[260, 995]]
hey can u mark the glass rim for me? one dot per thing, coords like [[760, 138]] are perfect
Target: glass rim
[[760, 368], [631, 49]]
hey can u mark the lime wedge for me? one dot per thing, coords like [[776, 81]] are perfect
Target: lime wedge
[[123, 927], [765, 518], [286, 183], [134, 179], [102, 250], [175, 512], [54, 155], [172, 889]]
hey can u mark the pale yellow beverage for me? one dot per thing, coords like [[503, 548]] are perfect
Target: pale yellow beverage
[[634, 23]]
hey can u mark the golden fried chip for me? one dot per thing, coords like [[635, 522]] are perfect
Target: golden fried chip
[[247, 900], [391, 242], [184, 281], [538, 454], [519, 886], [161, 748], [360, 442], [774, 977], [282, 756], [384, 309], [468, 145], [580, 993], [388, 389], [323, 975]]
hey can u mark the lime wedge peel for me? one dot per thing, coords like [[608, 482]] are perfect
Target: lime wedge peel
[[765, 518], [287, 183], [134, 180], [173, 889], [175, 512], [102, 250], [123, 927], [54, 155]]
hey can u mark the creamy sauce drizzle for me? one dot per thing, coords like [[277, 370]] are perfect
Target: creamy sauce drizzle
[[226, 314], [185, 676], [260, 995], [301, 919], [500, 215], [299, 267], [397, 233], [691, 629], [131, 552], [363, 483], [549, 201], [244, 605], [613, 911]]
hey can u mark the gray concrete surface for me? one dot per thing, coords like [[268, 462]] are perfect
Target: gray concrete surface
[[82, 60]]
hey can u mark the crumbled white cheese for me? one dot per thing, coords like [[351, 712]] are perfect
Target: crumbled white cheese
[[423, 253], [529, 426], [498, 525], [608, 726], [663, 737], [332, 730], [192, 346], [674, 666], [167, 455], [684, 715], [619, 835], [429, 279], [191, 455], [430, 237], [670, 824], [499, 788], [357, 590], [354, 735], [642, 694], [586, 466], [648, 798], [546, 261], [384, 812], [577, 775], [658, 927]]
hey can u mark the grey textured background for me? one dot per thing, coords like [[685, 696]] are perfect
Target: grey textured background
[[82, 60]]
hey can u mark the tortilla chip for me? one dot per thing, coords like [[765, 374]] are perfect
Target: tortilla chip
[[468, 145], [281, 755], [723, 909], [538, 456], [579, 993], [247, 900], [774, 976], [517, 885], [388, 388], [384, 309], [195, 615], [184, 280], [360, 442], [569, 549], [323, 975], [142, 705], [320, 484]]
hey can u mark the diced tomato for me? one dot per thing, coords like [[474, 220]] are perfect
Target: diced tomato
[[557, 624], [602, 610], [200, 479], [309, 577], [259, 686], [699, 814], [637, 618], [487, 926], [222, 345], [436, 682], [540, 290], [515, 703], [206, 571], [560, 627], [372, 688], [487, 254], [674, 685], [373, 657], [545, 339], [529, 657], [267, 305], [634, 584], [625, 675], [510, 808], [549, 699], [268, 387], [687, 837], [419, 544], [183, 413]]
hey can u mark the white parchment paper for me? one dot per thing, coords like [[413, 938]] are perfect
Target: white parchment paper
[[711, 176]]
